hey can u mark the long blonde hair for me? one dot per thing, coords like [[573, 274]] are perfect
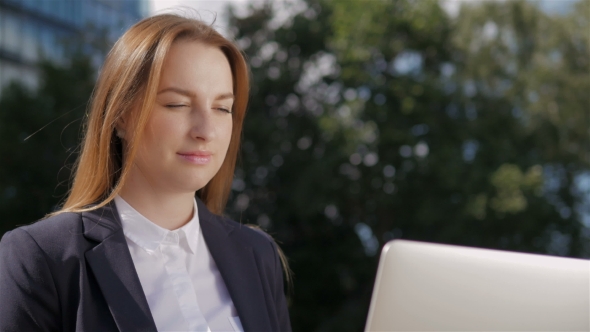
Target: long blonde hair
[[127, 86]]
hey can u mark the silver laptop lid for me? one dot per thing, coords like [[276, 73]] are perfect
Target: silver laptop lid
[[435, 287]]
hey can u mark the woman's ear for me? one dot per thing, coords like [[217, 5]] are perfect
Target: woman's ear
[[120, 133], [120, 126]]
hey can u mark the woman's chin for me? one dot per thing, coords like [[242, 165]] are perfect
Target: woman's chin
[[190, 186]]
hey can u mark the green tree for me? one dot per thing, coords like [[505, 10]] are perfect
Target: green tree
[[39, 138], [289, 167], [385, 119]]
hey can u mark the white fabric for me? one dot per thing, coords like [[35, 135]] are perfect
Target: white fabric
[[181, 282]]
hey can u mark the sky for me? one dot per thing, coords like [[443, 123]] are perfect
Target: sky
[[207, 9], [205, 5], [550, 6]]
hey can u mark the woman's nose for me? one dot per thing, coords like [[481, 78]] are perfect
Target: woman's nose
[[203, 123]]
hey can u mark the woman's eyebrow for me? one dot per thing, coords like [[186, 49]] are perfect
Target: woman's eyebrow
[[192, 94], [225, 96], [177, 90]]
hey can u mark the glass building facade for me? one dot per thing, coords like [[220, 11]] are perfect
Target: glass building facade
[[34, 29]]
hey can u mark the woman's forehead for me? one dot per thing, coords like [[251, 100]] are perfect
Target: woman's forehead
[[194, 66]]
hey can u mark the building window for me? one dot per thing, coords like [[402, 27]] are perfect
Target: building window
[[30, 43], [10, 27]]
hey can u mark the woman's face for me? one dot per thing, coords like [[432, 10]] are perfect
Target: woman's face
[[189, 130]]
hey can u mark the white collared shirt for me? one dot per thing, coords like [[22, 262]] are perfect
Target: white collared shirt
[[180, 279]]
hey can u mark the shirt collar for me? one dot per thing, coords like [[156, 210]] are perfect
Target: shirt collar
[[150, 236]]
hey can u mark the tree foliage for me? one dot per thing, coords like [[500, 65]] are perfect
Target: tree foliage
[[374, 120], [39, 137]]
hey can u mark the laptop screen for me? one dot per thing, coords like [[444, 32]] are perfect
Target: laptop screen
[[435, 287]]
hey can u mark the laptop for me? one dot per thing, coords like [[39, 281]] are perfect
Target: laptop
[[436, 287]]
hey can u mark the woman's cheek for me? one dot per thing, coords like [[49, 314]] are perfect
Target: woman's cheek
[[166, 126], [228, 132]]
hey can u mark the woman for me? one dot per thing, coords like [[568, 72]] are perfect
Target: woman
[[140, 243]]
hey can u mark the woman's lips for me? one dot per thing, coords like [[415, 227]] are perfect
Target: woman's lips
[[198, 158]]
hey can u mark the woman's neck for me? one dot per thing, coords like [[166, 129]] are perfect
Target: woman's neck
[[165, 209]]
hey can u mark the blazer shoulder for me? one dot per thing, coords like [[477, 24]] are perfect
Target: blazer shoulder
[[50, 233], [63, 223], [273, 267], [252, 234]]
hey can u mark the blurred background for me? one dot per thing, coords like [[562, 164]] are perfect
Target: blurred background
[[459, 122]]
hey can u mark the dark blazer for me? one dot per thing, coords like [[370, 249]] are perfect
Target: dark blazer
[[74, 272]]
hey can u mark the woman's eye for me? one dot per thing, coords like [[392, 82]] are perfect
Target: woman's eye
[[176, 105], [226, 110]]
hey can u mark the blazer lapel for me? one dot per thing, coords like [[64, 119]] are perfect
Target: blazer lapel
[[238, 268], [112, 265]]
